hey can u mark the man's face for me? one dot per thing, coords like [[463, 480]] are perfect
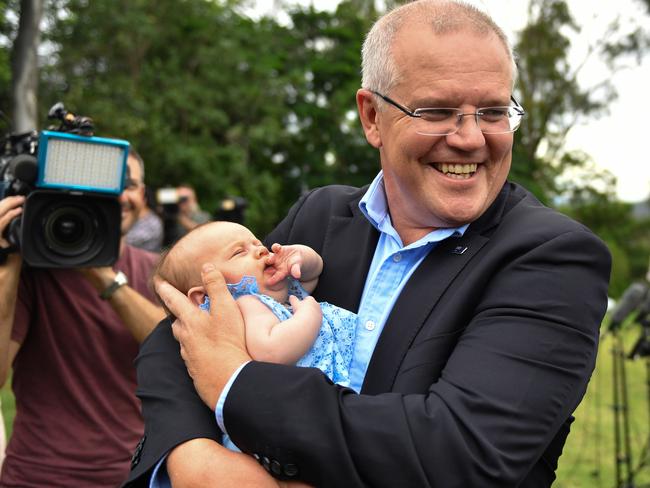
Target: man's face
[[458, 70], [132, 198]]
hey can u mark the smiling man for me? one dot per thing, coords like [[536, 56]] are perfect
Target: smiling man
[[479, 308]]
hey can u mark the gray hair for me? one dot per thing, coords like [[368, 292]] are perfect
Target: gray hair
[[378, 68]]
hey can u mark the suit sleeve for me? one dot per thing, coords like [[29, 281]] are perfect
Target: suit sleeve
[[172, 410], [520, 367]]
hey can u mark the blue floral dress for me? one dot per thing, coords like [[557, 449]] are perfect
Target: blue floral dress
[[332, 350]]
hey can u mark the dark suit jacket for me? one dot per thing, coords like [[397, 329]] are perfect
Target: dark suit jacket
[[486, 354]]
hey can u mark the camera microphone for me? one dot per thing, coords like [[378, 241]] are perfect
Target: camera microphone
[[24, 167], [631, 299]]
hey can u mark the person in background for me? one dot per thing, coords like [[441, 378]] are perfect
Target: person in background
[[479, 308], [147, 231], [189, 212], [71, 336]]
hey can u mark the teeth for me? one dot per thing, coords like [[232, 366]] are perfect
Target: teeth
[[459, 171]]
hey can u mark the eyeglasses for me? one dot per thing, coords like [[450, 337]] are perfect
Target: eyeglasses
[[442, 121]]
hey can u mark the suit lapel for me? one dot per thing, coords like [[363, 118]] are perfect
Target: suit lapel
[[414, 305], [347, 252], [423, 291]]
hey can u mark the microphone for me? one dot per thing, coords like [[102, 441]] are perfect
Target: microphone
[[24, 167], [632, 297], [643, 314]]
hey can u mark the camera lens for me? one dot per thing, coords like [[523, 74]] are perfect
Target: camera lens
[[69, 230]]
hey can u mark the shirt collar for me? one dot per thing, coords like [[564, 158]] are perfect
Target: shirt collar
[[374, 207]]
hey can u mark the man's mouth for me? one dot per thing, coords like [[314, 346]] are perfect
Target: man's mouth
[[457, 171]]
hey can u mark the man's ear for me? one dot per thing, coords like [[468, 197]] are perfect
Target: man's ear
[[196, 295], [368, 116]]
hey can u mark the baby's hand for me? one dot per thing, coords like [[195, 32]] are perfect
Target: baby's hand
[[307, 308], [287, 261]]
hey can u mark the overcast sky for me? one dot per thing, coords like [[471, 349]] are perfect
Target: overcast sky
[[620, 141], [616, 141]]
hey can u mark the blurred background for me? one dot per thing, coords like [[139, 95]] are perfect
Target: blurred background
[[252, 104]]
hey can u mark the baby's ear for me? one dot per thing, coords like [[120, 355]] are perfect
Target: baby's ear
[[196, 294]]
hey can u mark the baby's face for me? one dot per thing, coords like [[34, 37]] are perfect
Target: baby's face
[[236, 252]]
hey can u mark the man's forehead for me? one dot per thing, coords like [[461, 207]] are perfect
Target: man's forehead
[[134, 168], [438, 60]]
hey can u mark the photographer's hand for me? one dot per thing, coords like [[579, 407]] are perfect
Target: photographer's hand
[[101, 278], [138, 314], [10, 208]]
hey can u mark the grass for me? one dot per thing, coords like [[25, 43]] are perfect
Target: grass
[[588, 459], [8, 407], [588, 456]]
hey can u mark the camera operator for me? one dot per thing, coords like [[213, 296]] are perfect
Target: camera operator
[[147, 232], [189, 213], [71, 336]]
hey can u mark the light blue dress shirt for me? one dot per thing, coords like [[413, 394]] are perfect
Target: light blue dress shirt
[[391, 267]]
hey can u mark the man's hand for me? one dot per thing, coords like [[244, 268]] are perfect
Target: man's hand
[[212, 344]]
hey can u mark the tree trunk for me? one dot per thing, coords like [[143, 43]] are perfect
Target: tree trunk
[[24, 66]]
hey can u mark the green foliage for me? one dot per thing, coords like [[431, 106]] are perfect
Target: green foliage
[[229, 105], [626, 236], [551, 95], [620, 277], [7, 33], [260, 109]]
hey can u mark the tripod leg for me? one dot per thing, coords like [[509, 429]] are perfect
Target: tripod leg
[[616, 408], [626, 420]]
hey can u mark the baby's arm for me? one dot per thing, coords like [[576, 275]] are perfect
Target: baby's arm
[[271, 340], [298, 261]]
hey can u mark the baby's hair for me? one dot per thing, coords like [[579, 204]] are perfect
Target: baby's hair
[[178, 272]]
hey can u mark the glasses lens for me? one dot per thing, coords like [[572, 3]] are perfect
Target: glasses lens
[[437, 121], [498, 120]]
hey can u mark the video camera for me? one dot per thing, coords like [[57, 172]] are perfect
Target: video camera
[[72, 180]]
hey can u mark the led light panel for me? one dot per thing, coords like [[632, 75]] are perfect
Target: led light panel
[[81, 163]]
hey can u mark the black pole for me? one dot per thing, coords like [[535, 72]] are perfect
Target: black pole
[[618, 458]]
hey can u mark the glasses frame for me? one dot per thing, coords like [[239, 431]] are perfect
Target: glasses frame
[[414, 113]]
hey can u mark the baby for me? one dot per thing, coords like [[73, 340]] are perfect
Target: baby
[[283, 324]]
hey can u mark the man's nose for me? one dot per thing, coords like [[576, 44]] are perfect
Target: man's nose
[[469, 135]]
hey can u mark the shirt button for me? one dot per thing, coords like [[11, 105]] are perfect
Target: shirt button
[[397, 258], [370, 325]]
